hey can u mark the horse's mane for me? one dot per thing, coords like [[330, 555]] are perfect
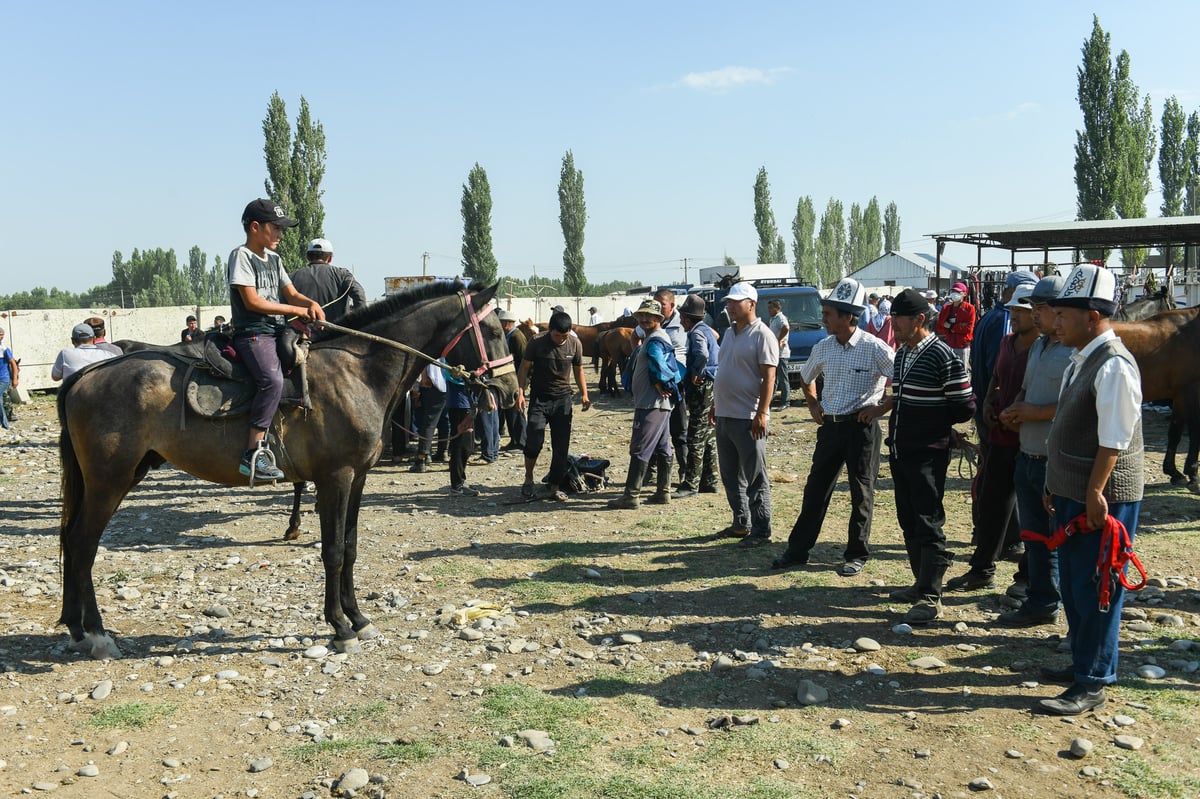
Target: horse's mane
[[367, 315]]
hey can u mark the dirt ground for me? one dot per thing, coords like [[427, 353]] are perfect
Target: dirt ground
[[658, 662]]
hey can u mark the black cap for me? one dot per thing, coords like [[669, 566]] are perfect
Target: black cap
[[266, 211], [909, 303]]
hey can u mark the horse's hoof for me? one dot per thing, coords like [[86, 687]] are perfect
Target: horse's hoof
[[1179, 480], [347, 646], [292, 534], [368, 632]]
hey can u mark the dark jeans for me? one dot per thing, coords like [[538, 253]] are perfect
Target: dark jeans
[[259, 355], [515, 419], [855, 446], [555, 413], [920, 480], [1094, 635], [1042, 594], [783, 384], [996, 501], [462, 442], [433, 403], [679, 434]]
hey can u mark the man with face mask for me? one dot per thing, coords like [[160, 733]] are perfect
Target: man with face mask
[[956, 322]]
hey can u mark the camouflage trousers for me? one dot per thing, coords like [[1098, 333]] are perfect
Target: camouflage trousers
[[700, 471]]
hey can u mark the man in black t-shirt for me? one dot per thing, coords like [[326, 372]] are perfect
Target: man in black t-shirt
[[550, 361]]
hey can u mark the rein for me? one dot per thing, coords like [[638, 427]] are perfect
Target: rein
[[460, 372]]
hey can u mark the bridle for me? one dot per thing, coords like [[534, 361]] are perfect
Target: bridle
[[498, 367]]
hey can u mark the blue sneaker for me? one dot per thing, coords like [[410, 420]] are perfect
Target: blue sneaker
[[264, 468]]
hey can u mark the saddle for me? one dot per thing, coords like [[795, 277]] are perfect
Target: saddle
[[216, 386]]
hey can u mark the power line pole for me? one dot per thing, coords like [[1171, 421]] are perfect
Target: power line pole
[[685, 277], [424, 262]]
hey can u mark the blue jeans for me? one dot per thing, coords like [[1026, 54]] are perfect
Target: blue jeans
[[1029, 480], [4, 414], [743, 463], [489, 434], [261, 358], [1094, 635]]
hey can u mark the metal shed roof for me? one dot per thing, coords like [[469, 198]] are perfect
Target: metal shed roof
[[1106, 233]]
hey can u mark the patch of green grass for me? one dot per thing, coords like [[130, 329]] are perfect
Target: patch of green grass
[[675, 784], [967, 729], [765, 741], [618, 683], [391, 752], [1136, 778], [357, 714], [1167, 706], [456, 568], [130, 715], [539, 591], [1026, 731], [118, 577], [519, 707]]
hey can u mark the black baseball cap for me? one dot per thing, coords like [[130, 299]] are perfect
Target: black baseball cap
[[266, 211]]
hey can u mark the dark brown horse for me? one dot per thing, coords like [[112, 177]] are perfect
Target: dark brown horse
[[615, 347], [1166, 347], [121, 418], [587, 334], [1146, 307]]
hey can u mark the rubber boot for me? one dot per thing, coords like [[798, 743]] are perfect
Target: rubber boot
[[663, 495], [633, 485]]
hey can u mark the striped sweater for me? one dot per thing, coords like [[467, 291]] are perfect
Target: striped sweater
[[930, 392]]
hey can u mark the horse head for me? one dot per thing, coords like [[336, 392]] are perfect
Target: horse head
[[481, 340]]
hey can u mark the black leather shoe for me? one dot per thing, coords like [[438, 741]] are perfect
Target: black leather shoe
[[786, 561], [971, 581], [908, 594], [1079, 698], [1024, 618], [1065, 675], [753, 541], [708, 489], [683, 492]]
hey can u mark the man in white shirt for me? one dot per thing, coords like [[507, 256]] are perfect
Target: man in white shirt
[[745, 380], [781, 328], [83, 352]]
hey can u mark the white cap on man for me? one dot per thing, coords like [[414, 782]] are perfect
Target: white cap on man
[[321, 246]]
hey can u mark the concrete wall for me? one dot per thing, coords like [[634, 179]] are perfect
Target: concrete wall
[[36, 337]]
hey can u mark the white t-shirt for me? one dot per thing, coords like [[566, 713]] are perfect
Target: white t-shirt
[[735, 389], [72, 359]]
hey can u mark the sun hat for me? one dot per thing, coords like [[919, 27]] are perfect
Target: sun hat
[[82, 332], [693, 305], [1047, 288], [321, 245], [1021, 298], [1019, 277], [651, 307]]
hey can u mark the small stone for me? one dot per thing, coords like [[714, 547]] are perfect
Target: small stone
[[260, 764], [44, 786], [1014, 754], [840, 724], [226, 674], [316, 652], [980, 784], [921, 754], [432, 669], [1128, 742], [90, 770], [217, 612], [477, 780], [927, 662], [722, 663], [865, 644], [1080, 747], [781, 764], [127, 593], [591, 574], [470, 634], [960, 627], [118, 748], [809, 693], [1169, 620], [102, 690], [1124, 721], [1091, 771], [351, 781], [1149, 672], [902, 629], [1141, 627], [537, 740]]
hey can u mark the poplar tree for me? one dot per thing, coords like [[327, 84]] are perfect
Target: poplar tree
[[1135, 147], [478, 261], [1095, 165], [572, 216], [804, 227], [771, 249], [854, 239], [295, 170], [1172, 165], [891, 228], [872, 232], [830, 247]]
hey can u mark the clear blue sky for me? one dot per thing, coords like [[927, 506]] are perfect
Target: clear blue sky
[[140, 124]]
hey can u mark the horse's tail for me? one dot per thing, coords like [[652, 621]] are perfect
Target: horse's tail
[[72, 475]]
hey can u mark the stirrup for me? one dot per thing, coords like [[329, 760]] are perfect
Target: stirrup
[[263, 451]]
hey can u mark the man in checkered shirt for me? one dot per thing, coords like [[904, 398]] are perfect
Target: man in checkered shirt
[[856, 366]]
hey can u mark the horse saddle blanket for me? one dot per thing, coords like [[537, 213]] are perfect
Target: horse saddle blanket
[[215, 386]]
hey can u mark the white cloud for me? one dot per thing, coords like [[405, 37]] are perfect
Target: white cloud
[[726, 78], [1021, 110]]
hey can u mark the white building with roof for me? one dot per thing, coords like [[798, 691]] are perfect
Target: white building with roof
[[895, 271]]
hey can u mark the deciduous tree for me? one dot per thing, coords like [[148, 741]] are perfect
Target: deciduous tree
[[771, 249], [572, 217], [478, 261], [1173, 165], [804, 228], [830, 248], [891, 228]]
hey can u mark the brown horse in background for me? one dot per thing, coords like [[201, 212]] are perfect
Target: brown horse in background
[[1167, 349], [121, 417], [614, 347], [587, 334]]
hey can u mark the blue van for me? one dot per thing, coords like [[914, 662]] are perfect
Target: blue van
[[801, 304]]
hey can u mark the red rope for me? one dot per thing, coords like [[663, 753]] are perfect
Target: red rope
[[1116, 553]]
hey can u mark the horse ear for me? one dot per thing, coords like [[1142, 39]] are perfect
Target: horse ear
[[483, 297]]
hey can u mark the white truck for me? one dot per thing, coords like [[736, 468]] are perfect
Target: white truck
[[712, 275]]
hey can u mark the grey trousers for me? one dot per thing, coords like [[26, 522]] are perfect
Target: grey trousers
[[743, 464]]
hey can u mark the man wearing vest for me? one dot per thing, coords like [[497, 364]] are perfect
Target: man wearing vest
[[1095, 471]]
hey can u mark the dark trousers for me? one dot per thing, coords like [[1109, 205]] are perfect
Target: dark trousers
[[433, 403], [783, 384], [554, 413], [996, 500], [259, 355], [920, 480], [1042, 594], [462, 442], [1094, 635], [855, 446], [515, 419], [679, 434], [701, 468]]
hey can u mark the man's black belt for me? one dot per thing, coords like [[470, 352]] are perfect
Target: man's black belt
[[841, 417]]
